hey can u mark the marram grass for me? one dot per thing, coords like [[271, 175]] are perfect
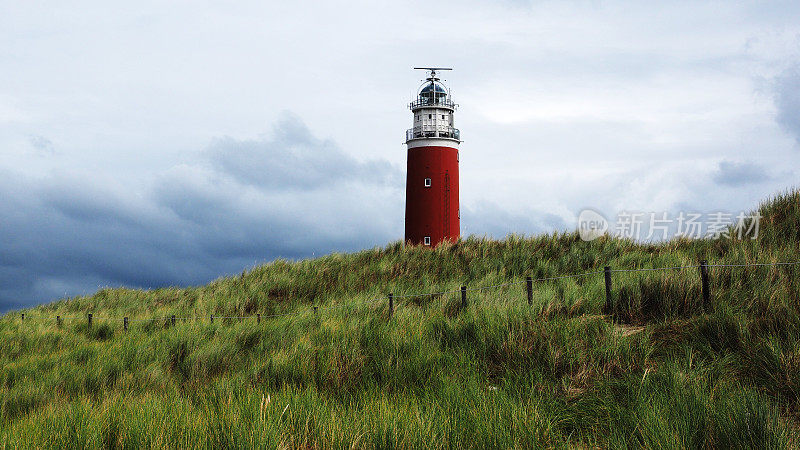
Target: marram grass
[[655, 370]]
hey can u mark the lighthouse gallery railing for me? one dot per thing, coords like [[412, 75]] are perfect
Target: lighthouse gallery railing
[[427, 131], [427, 103]]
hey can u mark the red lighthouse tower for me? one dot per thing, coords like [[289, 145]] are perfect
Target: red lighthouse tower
[[432, 213]]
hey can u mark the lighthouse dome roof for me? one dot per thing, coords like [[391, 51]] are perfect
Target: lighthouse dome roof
[[433, 87]]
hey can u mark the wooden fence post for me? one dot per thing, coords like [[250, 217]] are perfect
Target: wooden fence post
[[125, 324], [172, 319], [212, 318], [23, 317], [607, 273], [89, 320], [258, 318], [463, 296], [704, 281], [58, 321], [391, 304], [529, 286]]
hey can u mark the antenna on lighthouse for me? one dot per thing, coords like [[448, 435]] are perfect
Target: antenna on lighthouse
[[432, 70]]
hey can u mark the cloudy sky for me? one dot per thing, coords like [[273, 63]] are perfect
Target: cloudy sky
[[169, 143]]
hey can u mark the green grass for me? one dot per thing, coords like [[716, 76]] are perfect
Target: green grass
[[656, 370]]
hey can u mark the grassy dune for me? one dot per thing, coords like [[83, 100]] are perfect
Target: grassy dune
[[656, 370]]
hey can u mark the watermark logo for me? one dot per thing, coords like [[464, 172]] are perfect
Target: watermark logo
[[591, 225], [654, 226]]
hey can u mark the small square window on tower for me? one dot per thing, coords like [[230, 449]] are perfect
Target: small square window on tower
[[426, 240], [427, 182]]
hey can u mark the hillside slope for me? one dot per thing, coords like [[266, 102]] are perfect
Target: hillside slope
[[655, 369]]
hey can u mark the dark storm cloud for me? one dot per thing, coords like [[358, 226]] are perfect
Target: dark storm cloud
[[787, 101], [732, 173], [68, 235], [49, 250], [294, 159], [75, 199]]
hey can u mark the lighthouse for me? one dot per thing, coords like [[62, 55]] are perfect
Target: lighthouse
[[432, 212]]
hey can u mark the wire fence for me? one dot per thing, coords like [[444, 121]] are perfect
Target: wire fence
[[703, 267]]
